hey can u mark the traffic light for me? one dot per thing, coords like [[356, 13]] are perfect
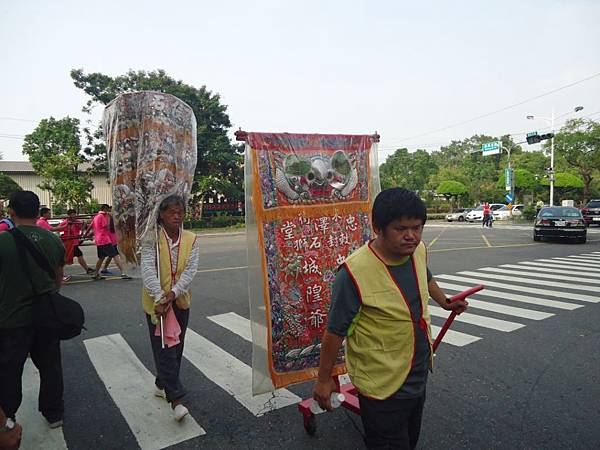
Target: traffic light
[[534, 138]]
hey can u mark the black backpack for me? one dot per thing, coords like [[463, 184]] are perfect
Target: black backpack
[[52, 312]]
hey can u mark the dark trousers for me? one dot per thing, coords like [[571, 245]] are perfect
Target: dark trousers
[[15, 345], [168, 360], [392, 423]]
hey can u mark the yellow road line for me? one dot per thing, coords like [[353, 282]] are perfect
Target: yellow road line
[[222, 269], [486, 240], [480, 247], [435, 240]]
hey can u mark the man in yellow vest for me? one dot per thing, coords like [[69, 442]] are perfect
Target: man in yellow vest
[[167, 294], [379, 305]]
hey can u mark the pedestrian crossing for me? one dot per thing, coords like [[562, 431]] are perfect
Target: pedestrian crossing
[[516, 296]]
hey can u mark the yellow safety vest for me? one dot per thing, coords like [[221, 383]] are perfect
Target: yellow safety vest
[[166, 277], [380, 347]]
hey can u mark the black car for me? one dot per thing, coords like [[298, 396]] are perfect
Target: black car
[[591, 212], [560, 222]]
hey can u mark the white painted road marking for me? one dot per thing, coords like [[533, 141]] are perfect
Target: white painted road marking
[[532, 275], [131, 386], [572, 262], [480, 321], [509, 296], [550, 263], [508, 310], [232, 375], [551, 270], [36, 433], [455, 337], [235, 323]]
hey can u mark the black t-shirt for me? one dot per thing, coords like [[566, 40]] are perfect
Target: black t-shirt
[[345, 309]]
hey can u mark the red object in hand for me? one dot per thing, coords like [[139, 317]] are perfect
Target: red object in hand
[[450, 318]]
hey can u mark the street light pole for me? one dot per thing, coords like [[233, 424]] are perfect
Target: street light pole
[[552, 160]]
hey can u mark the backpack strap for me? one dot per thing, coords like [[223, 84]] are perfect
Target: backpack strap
[[41, 260]]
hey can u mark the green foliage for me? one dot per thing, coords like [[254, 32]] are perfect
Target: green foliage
[[407, 170], [529, 212], [451, 188], [218, 158], [565, 180], [54, 150], [7, 186], [578, 142]]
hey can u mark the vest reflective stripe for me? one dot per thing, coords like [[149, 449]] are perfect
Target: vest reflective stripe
[[185, 248], [380, 351]]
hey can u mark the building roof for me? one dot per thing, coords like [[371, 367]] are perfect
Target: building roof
[[26, 167]]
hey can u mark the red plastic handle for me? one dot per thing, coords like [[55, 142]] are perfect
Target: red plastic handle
[[460, 296]]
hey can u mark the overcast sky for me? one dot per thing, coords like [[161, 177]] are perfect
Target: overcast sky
[[402, 68]]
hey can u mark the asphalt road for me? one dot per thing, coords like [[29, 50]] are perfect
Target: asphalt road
[[520, 374]]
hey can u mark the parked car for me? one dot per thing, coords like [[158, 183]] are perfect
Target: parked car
[[476, 215], [561, 222], [459, 214], [591, 212], [504, 213], [518, 209]]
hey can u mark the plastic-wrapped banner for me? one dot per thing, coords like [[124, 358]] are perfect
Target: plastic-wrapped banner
[[308, 204], [151, 146]]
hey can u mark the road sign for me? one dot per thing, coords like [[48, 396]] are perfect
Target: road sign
[[508, 179], [491, 148], [532, 133], [509, 198]]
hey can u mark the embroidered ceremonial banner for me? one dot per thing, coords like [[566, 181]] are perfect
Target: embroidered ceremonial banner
[[308, 205]]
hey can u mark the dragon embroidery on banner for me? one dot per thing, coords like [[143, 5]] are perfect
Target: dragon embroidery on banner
[[318, 178]]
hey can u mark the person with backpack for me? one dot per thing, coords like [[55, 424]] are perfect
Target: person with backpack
[[19, 289]]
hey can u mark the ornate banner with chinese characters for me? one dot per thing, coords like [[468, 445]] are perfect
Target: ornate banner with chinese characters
[[308, 203]]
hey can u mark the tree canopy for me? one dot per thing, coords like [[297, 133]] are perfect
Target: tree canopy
[[219, 167], [7, 186], [54, 150]]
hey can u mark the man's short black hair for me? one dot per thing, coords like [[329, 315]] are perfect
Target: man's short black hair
[[104, 207], [71, 211], [44, 210], [25, 204], [397, 203]]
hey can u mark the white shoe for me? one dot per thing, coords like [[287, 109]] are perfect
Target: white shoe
[[159, 392], [180, 412]]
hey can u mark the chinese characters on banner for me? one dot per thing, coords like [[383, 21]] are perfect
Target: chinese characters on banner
[[314, 199]]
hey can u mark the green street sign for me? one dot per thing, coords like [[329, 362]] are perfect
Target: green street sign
[[491, 148], [533, 133], [508, 179]]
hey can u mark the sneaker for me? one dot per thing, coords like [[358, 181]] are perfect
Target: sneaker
[[158, 392], [124, 276], [55, 424], [106, 272], [97, 277], [67, 278], [89, 271], [179, 412]]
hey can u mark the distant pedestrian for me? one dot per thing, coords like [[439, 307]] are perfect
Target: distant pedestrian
[[104, 245], [487, 220], [167, 294], [18, 290], [71, 237], [114, 241]]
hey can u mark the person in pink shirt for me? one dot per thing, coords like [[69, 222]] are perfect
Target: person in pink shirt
[[104, 245], [74, 229], [42, 222], [114, 240]]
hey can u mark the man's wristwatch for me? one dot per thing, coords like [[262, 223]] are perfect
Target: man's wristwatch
[[8, 426]]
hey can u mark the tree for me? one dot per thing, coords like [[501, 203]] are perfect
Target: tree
[[565, 183], [7, 186], [219, 161], [451, 190], [407, 170], [54, 150], [578, 142], [523, 180]]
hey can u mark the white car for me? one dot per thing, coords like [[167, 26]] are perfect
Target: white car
[[502, 213], [477, 214]]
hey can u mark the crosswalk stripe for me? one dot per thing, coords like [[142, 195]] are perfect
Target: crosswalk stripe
[[474, 319], [583, 259], [508, 310], [558, 264], [232, 375], [36, 435], [512, 287], [544, 282], [570, 261], [235, 323], [533, 274], [551, 270], [130, 386], [455, 338], [509, 296], [590, 255]]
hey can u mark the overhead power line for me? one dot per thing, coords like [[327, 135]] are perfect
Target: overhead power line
[[514, 105]]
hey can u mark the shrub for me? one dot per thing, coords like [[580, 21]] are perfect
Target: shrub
[[529, 212]]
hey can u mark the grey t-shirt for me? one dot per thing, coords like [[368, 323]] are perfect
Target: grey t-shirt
[[345, 306]]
